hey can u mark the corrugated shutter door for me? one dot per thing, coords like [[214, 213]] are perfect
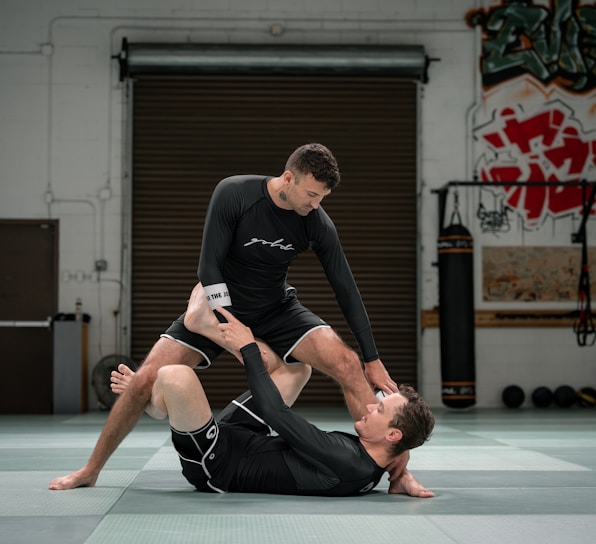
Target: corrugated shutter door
[[191, 131]]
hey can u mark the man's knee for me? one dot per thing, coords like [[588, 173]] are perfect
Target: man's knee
[[174, 377], [347, 364], [300, 373], [305, 371], [165, 353], [325, 351], [341, 362]]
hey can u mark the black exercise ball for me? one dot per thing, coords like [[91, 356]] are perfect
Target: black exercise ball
[[586, 397], [565, 396], [513, 396], [542, 397]]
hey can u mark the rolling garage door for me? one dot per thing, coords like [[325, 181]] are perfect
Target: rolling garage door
[[189, 131]]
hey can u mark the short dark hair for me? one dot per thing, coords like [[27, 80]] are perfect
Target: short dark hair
[[317, 160], [414, 419]]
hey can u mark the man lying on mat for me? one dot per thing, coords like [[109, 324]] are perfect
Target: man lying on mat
[[237, 451]]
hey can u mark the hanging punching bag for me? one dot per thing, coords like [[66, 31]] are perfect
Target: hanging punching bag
[[456, 315]]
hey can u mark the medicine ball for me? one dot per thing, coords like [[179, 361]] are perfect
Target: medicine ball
[[513, 396], [586, 397], [542, 397], [565, 396]]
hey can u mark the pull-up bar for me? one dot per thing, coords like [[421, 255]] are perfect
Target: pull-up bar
[[444, 189], [584, 326]]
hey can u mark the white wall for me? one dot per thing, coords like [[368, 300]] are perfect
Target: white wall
[[63, 145]]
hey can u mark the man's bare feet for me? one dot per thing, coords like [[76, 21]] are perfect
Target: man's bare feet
[[121, 378], [79, 478], [199, 318]]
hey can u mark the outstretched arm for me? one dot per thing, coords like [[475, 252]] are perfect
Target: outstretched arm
[[330, 253]]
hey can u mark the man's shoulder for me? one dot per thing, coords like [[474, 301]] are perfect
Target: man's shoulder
[[241, 180], [247, 186]]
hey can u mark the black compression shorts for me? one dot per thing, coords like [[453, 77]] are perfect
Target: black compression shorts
[[207, 454], [281, 328]]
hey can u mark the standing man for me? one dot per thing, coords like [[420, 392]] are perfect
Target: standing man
[[254, 228]]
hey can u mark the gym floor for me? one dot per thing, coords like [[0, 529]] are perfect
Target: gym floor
[[513, 475]]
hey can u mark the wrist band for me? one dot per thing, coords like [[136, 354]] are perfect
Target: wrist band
[[217, 295]]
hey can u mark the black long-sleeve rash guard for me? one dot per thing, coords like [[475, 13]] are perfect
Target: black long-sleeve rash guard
[[320, 462], [248, 246]]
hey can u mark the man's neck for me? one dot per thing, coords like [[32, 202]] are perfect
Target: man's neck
[[378, 453], [275, 186]]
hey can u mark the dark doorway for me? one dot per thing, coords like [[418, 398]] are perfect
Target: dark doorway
[[28, 301]]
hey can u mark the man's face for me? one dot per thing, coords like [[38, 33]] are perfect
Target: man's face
[[305, 193], [375, 424]]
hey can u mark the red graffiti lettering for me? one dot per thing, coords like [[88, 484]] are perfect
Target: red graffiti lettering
[[548, 146]]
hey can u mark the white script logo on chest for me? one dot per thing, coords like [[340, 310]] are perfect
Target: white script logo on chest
[[277, 244]]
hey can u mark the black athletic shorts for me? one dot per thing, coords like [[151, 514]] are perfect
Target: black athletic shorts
[[282, 328], [209, 456]]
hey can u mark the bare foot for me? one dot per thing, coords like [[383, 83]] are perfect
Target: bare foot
[[199, 317], [405, 483], [79, 478], [121, 378]]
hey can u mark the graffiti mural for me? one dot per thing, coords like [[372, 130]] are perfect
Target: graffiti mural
[[554, 43], [550, 145], [538, 117]]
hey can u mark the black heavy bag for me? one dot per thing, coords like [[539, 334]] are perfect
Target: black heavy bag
[[456, 316]]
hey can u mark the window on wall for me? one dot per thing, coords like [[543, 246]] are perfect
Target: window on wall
[[190, 131]]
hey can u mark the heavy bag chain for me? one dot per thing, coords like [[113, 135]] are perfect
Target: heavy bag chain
[[455, 212]]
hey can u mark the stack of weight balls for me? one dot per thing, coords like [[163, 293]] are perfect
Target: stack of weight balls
[[564, 396]]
